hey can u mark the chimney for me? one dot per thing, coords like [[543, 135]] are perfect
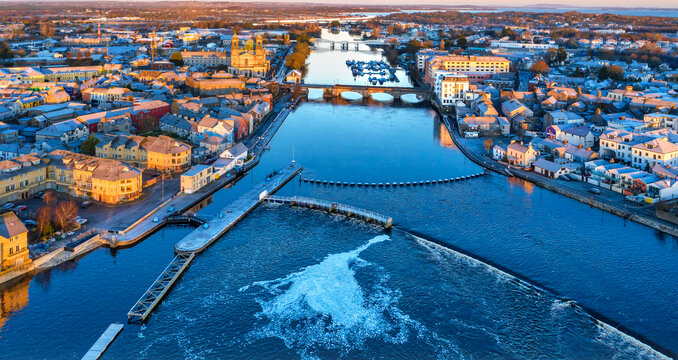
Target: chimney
[[598, 111], [588, 149], [580, 146], [578, 89]]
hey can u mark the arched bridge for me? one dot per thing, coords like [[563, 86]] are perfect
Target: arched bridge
[[367, 90]]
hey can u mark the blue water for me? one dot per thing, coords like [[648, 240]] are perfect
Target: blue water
[[292, 283]]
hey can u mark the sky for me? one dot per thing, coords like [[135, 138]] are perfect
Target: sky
[[506, 3]]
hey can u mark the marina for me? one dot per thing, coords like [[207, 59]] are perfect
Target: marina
[[377, 71]]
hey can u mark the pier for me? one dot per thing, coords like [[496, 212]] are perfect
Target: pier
[[209, 230], [152, 297], [333, 207], [104, 341], [202, 237]]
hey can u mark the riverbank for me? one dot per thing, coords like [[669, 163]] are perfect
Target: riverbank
[[581, 195]]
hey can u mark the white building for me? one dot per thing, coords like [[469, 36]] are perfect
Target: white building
[[196, 178], [450, 87]]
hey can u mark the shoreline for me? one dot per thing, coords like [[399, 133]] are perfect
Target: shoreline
[[613, 209]]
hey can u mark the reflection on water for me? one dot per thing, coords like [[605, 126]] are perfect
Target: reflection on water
[[12, 299], [327, 66]]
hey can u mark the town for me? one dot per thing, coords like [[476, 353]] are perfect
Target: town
[[115, 120]]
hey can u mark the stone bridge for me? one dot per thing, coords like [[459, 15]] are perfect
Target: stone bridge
[[367, 90]]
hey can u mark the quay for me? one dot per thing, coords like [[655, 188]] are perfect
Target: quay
[[202, 237], [104, 341], [199, 239], [333, 207]]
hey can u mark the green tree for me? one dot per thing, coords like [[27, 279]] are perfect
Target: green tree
[[89, 146], [335, 23], [177, 59], [462, 42]]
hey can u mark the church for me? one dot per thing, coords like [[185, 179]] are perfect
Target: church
[[250, 60]]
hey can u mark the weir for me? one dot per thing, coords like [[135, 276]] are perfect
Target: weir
[[203, 236], [333, 207]]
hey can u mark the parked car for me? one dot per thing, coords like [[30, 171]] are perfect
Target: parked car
[[86, 204], [30, 223], [21, 208], [39, 194], [7, 206], [81, 221]]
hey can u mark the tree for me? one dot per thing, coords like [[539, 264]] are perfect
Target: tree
[[412, 46], [5, 51], [65, 214], [462, 42], [335, 23], [603, 72], [89, 146], [177, 59], [45, 221], [540, 67], [616, 73]]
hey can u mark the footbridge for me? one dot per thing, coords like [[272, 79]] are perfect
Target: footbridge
[[367, 90], [333, 207]]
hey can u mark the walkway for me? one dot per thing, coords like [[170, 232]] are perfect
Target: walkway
[[104, 341], [333, 207], [202, 237]]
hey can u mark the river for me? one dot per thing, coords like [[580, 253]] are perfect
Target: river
[[290, 283]]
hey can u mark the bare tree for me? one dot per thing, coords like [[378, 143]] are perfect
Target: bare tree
[[49, 198], [66, 213], [44, 220]]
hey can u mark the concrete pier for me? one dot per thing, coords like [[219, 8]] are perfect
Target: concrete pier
[[104, 341], [199, 239]]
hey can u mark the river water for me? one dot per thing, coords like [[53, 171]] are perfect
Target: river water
[[291, 283]]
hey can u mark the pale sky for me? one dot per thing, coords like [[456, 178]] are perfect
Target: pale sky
[[673, 4]]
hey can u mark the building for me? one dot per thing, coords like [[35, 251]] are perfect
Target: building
[[562, 117], [21, 178], [161, 153], [654, 152], [477, 68], [13, 242], [450, 87], [103, 95], [238, 153], [65, 131], [520, 155], [248, 62], [197, 177], [205, 58], [89, 177], [294, 77], [550, 169]]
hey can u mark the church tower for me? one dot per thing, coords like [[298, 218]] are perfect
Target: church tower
[[259, 53], [235, 51]]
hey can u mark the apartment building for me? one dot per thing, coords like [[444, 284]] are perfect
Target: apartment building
[[161, 153], [196, 178], [477, 68], [450, 87]]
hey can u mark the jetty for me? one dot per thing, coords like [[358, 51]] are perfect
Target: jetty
[[198, 240], [104, 341], [333, 207]]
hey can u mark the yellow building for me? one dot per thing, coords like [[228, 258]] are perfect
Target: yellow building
[[71, 73], [104, 180], [161, 153], [21, 178], [13, 242], [251, 59], [197, 177]]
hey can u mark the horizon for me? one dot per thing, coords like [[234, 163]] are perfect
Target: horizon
[[575, 4]]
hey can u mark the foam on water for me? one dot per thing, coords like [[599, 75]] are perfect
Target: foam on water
[[323, 307]]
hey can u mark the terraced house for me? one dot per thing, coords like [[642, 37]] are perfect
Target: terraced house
[[21, 178], [161, 153]]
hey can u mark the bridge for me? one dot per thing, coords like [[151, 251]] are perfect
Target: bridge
[[345, 45], [366, 90], [333, 207]]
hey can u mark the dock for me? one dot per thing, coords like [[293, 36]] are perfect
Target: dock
[[333, 207], [209, 231], [199, 239], [104, 341]]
